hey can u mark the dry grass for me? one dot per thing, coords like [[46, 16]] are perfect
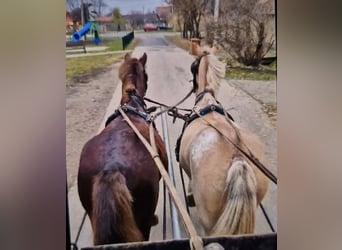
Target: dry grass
[[178, 41]]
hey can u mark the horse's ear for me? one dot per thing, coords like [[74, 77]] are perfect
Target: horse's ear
[[127, 56], [143, 59]]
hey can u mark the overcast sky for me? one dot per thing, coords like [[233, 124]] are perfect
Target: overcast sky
[[126, 6]]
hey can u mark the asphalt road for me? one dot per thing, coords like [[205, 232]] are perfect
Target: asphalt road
[[168, 68]]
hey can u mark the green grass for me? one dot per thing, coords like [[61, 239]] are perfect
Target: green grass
[[273, 65], [250, 74], [117, 45], [114, 46], [89, 64]]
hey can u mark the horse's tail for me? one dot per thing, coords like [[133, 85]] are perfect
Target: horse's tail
[[112, 216], [238, 216]]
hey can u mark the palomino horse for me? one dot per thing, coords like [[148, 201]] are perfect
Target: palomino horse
[[226, 186], [118, 182]]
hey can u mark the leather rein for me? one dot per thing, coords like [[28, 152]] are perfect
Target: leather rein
[[249, 155]]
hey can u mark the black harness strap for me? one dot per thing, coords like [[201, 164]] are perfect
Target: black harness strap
[[129, 109], [208, 109]]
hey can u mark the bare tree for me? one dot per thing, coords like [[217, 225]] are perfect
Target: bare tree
[[136, 19], [72, 4], [242, 30], [190, 13], [98, 6]]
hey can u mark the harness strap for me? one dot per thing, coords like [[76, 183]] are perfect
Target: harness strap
[[206, 110], [249, 155], [195, 240], [147, 117]]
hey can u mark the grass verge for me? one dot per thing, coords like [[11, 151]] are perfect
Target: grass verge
[[86, 66], [178, 41], [240, 73], [81, 66], [265, 73]]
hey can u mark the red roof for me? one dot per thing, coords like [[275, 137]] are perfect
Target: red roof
[[68, 17]]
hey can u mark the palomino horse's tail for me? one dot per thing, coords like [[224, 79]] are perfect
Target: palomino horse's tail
[[238, 216], [112, 216]]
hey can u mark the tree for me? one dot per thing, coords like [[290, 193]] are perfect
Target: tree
[[137, 19], [191, 13], [117, 18], [242, 30], [98, 5], [72, 4]]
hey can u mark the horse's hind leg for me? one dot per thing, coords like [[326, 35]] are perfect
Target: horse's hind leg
[[145, 203], [190, 197]]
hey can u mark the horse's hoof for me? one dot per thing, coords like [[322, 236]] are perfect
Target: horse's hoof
[[155, 220], [191, 200]]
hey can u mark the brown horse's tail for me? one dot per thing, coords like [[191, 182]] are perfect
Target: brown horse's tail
[[112, 217], [238, 216]]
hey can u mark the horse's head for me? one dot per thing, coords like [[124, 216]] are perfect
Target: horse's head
[[133, 77], [206, 69]]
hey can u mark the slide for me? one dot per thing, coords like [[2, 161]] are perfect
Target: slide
[[77, 35]]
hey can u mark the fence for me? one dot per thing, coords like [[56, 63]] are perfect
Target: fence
[[127, 39]]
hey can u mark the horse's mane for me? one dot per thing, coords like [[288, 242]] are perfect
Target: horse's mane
[[216, 70]]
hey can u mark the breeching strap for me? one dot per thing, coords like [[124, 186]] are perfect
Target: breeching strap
[[196, 242]]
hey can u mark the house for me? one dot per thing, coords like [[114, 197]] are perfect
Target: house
[[164, 14], [106, 23], [151, 17], [68, 22]]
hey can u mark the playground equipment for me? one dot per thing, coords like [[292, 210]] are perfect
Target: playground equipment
[[89, 26], [77, 35]]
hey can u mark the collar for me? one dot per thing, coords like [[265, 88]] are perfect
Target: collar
[[133, 110], [138, 99], [129, 109]]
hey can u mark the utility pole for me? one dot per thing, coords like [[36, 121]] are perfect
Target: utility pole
[[82, 12], [143, 15], [216, 10], [216, 16]]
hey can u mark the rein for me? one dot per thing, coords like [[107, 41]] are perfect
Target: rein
[[195, 240], [172, 110], [249, 155]]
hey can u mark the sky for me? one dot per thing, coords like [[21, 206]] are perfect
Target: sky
[[126, 6]]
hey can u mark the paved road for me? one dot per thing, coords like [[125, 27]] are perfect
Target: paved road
[[168, 68]]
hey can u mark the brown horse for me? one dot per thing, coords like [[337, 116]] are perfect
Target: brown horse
[[118, 182], [226, 186]]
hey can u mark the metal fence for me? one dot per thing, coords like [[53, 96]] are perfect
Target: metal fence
[[127, 39]]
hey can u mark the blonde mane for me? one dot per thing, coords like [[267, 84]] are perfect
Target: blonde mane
[[216, 71]]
